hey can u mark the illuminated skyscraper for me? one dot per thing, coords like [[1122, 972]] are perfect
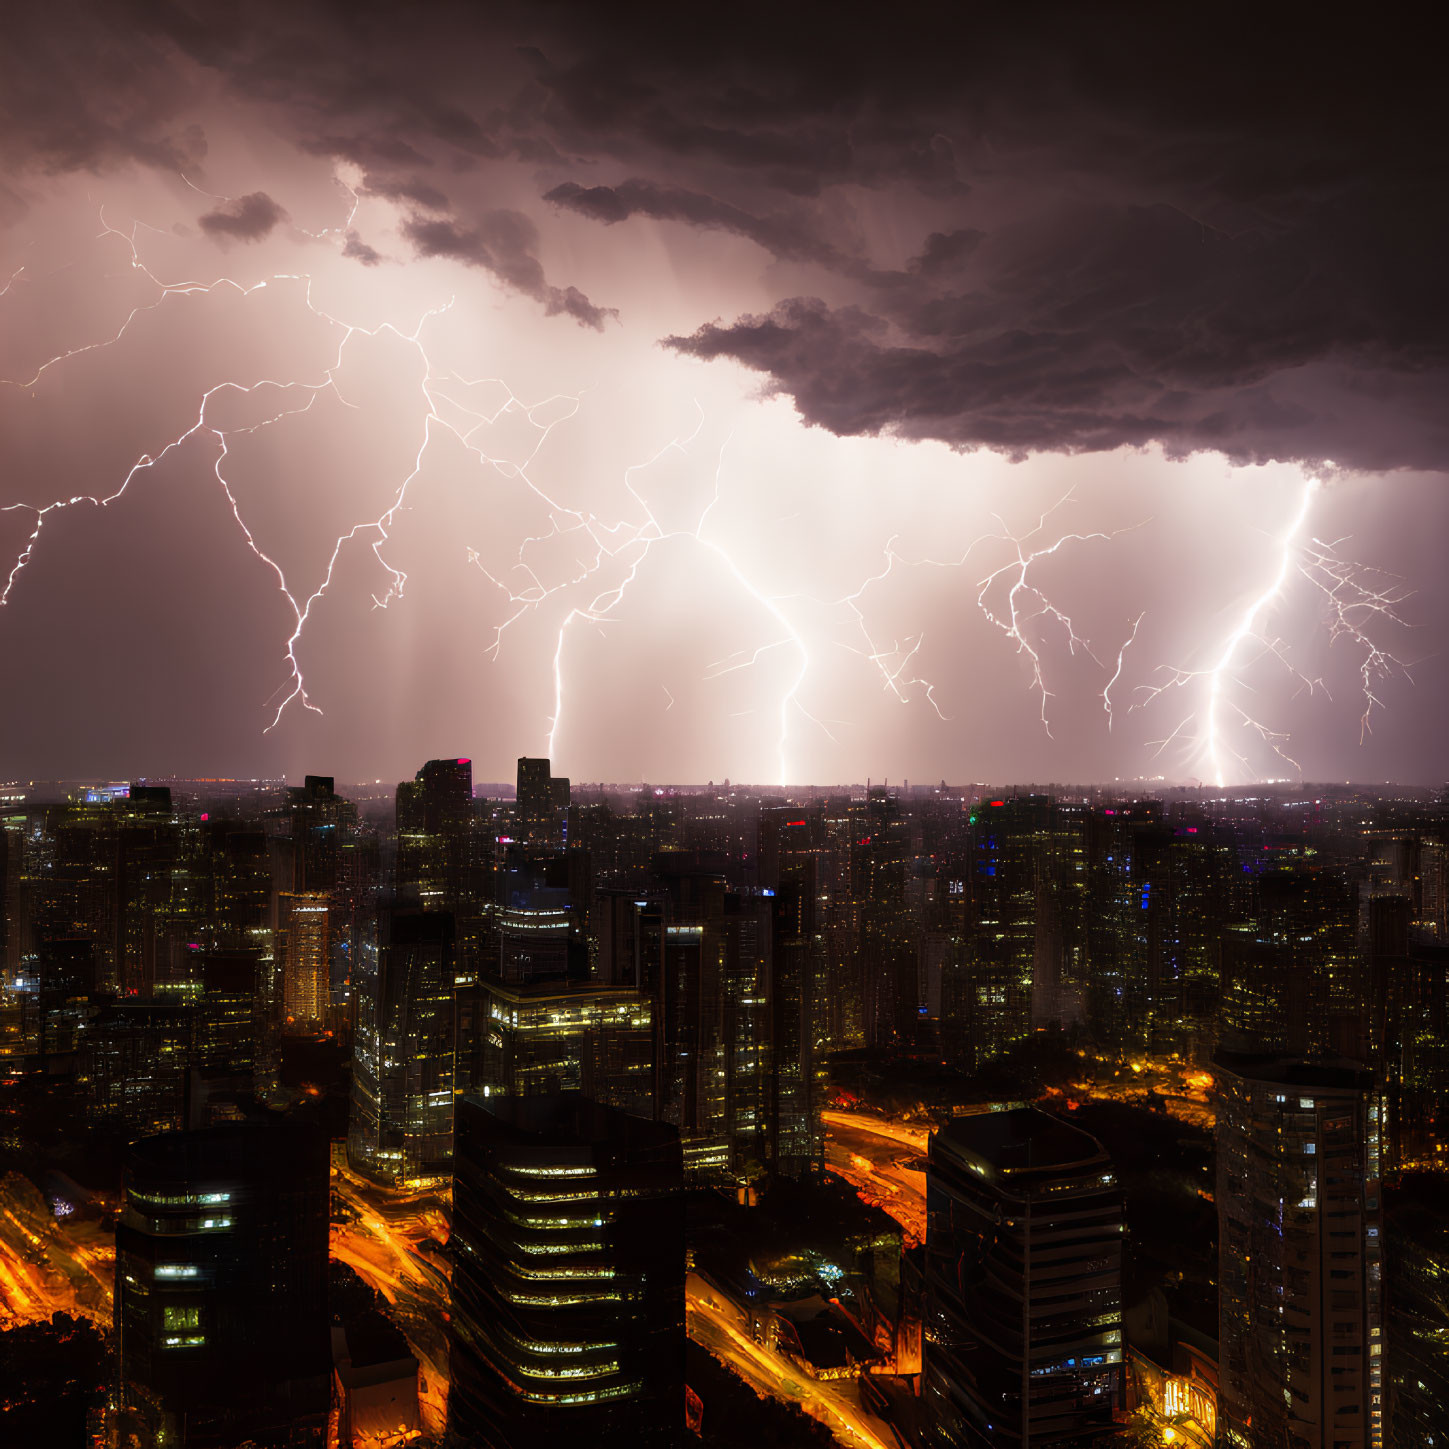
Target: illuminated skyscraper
[[401, 1126], [221, 1287], [537, 814], [307, 965], [568, 1277], [1023, 1321], [548, 1037], [1300, 1285]]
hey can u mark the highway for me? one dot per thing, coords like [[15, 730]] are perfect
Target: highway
[[717, 1324], [50, 1265], [381, 1245], [884, 1161]]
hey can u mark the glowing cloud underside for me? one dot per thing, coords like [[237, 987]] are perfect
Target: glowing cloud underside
[[1010, 597]]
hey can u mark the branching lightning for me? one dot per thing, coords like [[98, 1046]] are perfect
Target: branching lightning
[[1355, 594], [611, 551], [1008, 598]]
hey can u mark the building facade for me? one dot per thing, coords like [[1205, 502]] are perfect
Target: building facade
[[1023, 1315], [1301, 1313], [568, 1277], [221, 1287]]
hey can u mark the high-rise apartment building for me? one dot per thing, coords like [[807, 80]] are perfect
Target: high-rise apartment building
[[1023, 1317], [401, 1124], [568, 1277], [1300, 1287], [221, 1287]]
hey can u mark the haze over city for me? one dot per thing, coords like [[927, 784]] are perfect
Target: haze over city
[[723, 725]]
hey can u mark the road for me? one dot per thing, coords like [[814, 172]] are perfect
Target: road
[[50, 1265], [717, 1324], [884, 1161], [383, 1245]]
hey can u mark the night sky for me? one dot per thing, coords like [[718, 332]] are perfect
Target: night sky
[[789, 393]]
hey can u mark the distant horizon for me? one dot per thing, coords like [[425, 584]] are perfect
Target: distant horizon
[[503, 789]]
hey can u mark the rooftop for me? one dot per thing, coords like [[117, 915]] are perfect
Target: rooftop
[[1021, 1139]]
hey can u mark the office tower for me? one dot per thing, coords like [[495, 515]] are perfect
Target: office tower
[[133, 1061], [536, 813], [66, 993], [320, 822], [306, 962], [1301, 1257], [1016, 930], [434, 834], [148, 850], [880, 863], [535, 928], [794, 984], [221, 1287], [1023, 1318], [231, 1064], [547, 1037], [401, 1125], [1419, 1080], [691, 1091], [1293, 980], [1416, 1254], [447, 793], [568, 1277]]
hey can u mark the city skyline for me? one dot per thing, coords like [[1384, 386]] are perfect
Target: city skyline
[[860, 423]]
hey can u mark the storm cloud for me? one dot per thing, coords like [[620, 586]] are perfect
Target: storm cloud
[[248, 218], [1107, 227]]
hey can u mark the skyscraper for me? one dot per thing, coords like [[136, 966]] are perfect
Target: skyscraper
[[1300, 1292], [1023, 1320], [568, 1036], [568, 1277], [306, 968], [434, 834], [536, 813], [401, 1125], [221, 1287]]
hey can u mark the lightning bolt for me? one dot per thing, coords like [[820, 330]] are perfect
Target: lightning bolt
[[1355, 596], [610, 552], [1117, 672], [1008, 598], [443, 412]]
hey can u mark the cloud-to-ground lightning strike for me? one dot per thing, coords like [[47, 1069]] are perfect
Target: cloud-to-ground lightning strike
[[1010, 596], [628, 541], [1353, 599]]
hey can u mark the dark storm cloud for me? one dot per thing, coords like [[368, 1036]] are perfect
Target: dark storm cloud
[[407, 188], [359, 251], [1088, 328], [781, 236], [1207, 230], [504, 244], [78, 93], [247, 218]]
